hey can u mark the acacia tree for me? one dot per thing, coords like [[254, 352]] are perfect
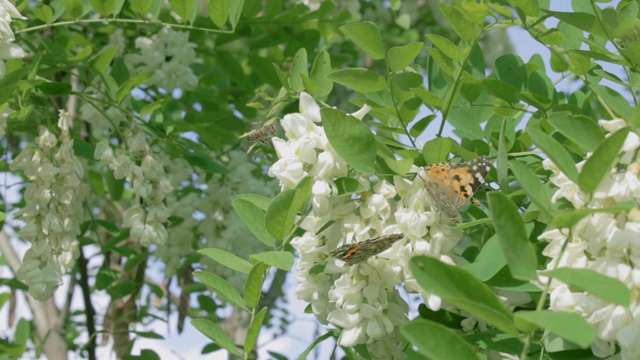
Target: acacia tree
[[129, 124]]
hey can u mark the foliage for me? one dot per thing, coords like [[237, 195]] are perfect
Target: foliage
[[129, 124]]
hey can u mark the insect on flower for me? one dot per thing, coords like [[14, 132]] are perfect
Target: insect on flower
[[451, 184], [356, 253]]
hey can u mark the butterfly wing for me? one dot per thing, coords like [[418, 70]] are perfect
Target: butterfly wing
[[451, 185], [356, 253]]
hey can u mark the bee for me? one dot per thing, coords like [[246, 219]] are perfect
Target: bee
[[263, 134]]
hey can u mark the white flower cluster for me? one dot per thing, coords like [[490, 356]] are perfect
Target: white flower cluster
[[604, 242], [8, 50], [168, 54], [53, 210], [144, 172], [361, 299]]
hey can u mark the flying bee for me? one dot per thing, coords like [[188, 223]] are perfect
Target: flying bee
[[263, 134]]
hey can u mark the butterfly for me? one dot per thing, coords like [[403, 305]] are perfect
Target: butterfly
[[356, 253], [451, 184]]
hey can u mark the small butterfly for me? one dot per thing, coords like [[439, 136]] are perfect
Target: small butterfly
[[356, 253], [451, 184]]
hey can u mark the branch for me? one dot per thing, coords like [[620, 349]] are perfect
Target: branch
[[88, 306]]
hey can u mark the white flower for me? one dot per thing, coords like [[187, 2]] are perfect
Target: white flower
[[612, 125], [313, 5], [568, 189], [10, 51], [64, 121], [53, 209], [606, 243], [104, 152], [122, 166], [168, 54], [628, 339]]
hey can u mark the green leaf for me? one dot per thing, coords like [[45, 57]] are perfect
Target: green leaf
[[132, 83], [579, 129], [367, 37], [447, 47], [614, 100], [235, 12], [571, 326], [436, 150], [260, 201], [529, 8], [556, 152], [141, 6], [103, 59], [532, 186], [402, 85], [13, 351], [510, 69], [314, 343], [254, 218], [348, 186], [359, 79], [583, 21], [43, 12], [218, 11], [215, 333], [601, 161], [134, 260], [507, 221], [605, 287], [541, 86], [22, 332], [419, 126], [501, 90], [103, 7], [74, 8], [55, 88], [303, 193], [464, 27], [489, 261], [280, 259], [148, 335], [227, 259], [81, 55], [183, 8], [106, 277], [399, 57], [436, 341], [254, 330], [253, 286], [319, 74], [462, 289], [281, 215], [443, 61], [571, 217], [205, 163], [221, 287], [430, 99], [299, 70], [351, 139]]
